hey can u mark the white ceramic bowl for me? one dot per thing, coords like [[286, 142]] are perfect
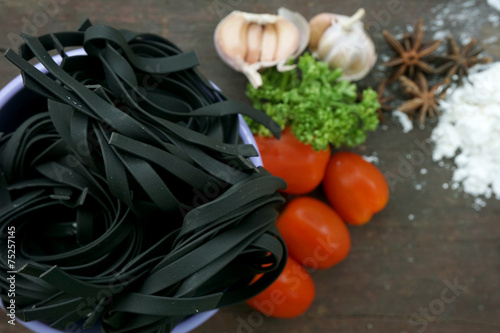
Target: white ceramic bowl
[[11, 115]]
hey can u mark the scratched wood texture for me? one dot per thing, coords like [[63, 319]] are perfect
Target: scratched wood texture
[[401, 260]]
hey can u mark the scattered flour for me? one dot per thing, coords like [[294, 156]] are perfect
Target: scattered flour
[[490, 40], [478, 204], [493, 18], [441, 34], [372, 159], [385, 58], [404, 120], [439, 23], [468, 4], [469, 131], [460, 18], [495, 4]]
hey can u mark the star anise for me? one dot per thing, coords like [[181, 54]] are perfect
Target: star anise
[[424, 100], [410, 53], [458, 61], [382, 100]]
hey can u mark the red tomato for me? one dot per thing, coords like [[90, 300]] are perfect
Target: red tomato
[[289, 296], [314, 233], [298, 164], [355, 188]]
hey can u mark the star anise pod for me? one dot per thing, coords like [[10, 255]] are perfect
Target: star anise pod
[[410, 53], [382, 100], [424, 100], [458, 61]]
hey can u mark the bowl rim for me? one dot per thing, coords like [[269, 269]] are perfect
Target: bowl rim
[[187, 325]]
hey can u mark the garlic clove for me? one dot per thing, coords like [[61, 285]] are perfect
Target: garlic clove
[[318, 24], [254, 41], [304, 31], [343, 44], [231, 38], [269, 43], [281, 36], [288, 39]]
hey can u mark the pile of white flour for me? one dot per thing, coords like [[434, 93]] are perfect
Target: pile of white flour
[[469, 132], [495, 4]]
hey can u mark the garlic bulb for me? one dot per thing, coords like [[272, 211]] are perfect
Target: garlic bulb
[[248, 42], [342, 42]]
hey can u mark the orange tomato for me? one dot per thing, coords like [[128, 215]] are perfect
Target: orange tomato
[[314, 233], [298, 164], [355, 188], [289, 296]]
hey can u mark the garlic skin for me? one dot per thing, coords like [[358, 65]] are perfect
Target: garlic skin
[[342, 42], [249, 42]]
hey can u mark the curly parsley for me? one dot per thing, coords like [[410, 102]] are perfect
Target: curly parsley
[[320, 108]]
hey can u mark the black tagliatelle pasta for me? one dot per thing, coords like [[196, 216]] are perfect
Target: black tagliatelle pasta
[[133, 198]]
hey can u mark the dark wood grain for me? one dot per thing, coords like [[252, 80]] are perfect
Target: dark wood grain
[[397, 265]]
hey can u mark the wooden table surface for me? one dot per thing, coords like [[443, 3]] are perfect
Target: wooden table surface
[[404, 260]]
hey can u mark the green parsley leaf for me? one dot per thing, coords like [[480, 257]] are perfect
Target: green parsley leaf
[[321, 109]]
